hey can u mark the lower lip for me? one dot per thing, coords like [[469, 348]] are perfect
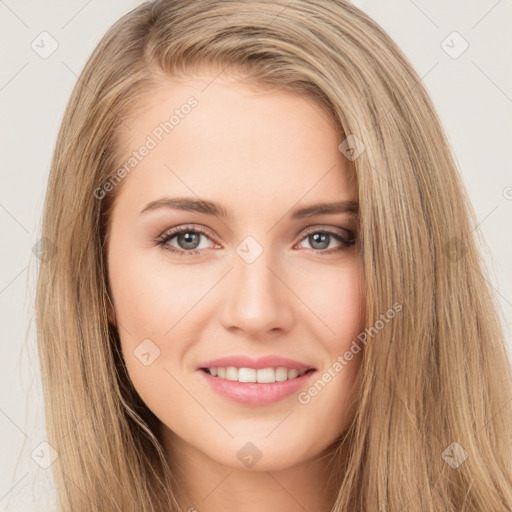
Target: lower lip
[[253, 393]]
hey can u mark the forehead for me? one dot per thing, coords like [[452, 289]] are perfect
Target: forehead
[[216, 138]]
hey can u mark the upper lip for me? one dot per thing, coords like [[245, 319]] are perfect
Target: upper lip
[[243, 361]]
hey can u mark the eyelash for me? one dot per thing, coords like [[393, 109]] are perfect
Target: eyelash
[[166, 237]]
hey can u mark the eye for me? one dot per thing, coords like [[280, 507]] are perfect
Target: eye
[[188, 237], [321, 239], [188, 240]]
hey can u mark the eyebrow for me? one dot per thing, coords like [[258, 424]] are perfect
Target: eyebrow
[[212, 208]]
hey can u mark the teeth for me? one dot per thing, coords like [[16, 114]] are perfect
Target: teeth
[[247, 375], [292, 374], [266, 375], [262, 375], [281, 374], [231, 373]]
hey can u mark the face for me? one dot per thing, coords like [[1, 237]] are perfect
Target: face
[[254, 283]]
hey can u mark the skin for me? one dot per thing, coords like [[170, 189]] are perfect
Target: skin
[[260, 154]]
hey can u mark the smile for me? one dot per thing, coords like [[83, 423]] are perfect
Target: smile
[[261, 375], [255, 393]]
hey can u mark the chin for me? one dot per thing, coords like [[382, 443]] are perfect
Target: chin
[[262, 454]]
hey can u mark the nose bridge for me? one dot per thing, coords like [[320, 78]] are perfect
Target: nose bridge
[[252, 271], [257, 298]]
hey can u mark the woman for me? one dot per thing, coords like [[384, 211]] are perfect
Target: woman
[[265, 292]]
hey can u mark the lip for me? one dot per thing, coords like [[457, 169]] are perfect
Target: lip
[[253, 393], [243, 361]]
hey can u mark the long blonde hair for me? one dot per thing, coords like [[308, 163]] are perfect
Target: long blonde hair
[[435, 384]]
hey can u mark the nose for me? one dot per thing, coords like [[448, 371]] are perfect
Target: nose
[[258, 297]]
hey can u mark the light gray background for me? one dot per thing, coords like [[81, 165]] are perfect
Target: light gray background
[[473, 94]]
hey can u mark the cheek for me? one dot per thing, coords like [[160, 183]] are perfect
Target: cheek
[[337, 299], [159, 314], [348, 313], [151, 297], [340, 305]]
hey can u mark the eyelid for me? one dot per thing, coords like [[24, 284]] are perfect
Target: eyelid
[[172, 232], [187, 227], [329, 229]]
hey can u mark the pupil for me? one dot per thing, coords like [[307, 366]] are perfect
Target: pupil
[[321, 238], [189, 240]]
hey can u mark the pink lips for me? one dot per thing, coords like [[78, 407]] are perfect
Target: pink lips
[[253, 393]]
